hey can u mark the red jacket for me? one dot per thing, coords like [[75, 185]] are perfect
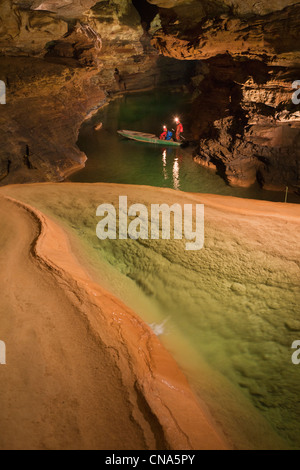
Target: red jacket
[[179, 128]]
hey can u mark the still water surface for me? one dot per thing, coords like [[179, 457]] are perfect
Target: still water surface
[[113, 159]]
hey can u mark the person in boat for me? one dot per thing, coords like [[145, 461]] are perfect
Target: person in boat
[[169, 135], [179, 129], [163, 135]]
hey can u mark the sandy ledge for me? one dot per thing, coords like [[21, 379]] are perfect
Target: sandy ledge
[[83, 371]]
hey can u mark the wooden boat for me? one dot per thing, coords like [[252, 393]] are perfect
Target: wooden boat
[[147, 138]]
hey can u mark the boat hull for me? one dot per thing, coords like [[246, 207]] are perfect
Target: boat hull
[[148, 138]]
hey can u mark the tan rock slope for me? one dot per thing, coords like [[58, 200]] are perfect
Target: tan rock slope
[[238, 297], [83, 371]]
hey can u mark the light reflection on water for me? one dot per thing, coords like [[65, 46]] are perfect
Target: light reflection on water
[[164, 160], [173, 159], [176, 183]]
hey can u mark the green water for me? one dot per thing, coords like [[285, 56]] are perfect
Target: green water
[[113, 159]]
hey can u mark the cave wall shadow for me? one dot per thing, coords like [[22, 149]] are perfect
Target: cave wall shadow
[[147, 12]]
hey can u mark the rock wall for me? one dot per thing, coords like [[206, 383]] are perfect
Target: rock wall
[[58, 60], [39, 124]]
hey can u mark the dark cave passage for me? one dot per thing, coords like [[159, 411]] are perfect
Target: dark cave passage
[[146, 11]]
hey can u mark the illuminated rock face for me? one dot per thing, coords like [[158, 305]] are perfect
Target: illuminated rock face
[[26, 32], [200, 33], [241, 7], [248, 53], [27, 27], [57, 66]]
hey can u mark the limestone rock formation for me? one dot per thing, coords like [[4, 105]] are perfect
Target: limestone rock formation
[[25, 32], [57, 59], [240, 7], [83, 44], [39, 124]]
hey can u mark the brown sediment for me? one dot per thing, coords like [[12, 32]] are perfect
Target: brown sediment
[[83, 371], [205, 163], [73, 169]]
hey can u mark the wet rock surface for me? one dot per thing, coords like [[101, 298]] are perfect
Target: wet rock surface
[[39, 123], [246, 124], [58, 64]]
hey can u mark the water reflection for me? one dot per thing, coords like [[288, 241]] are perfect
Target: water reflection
[[164, 159], [176, 166], [176, 182]]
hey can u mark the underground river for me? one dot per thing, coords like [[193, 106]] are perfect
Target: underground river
[[113, 159]]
